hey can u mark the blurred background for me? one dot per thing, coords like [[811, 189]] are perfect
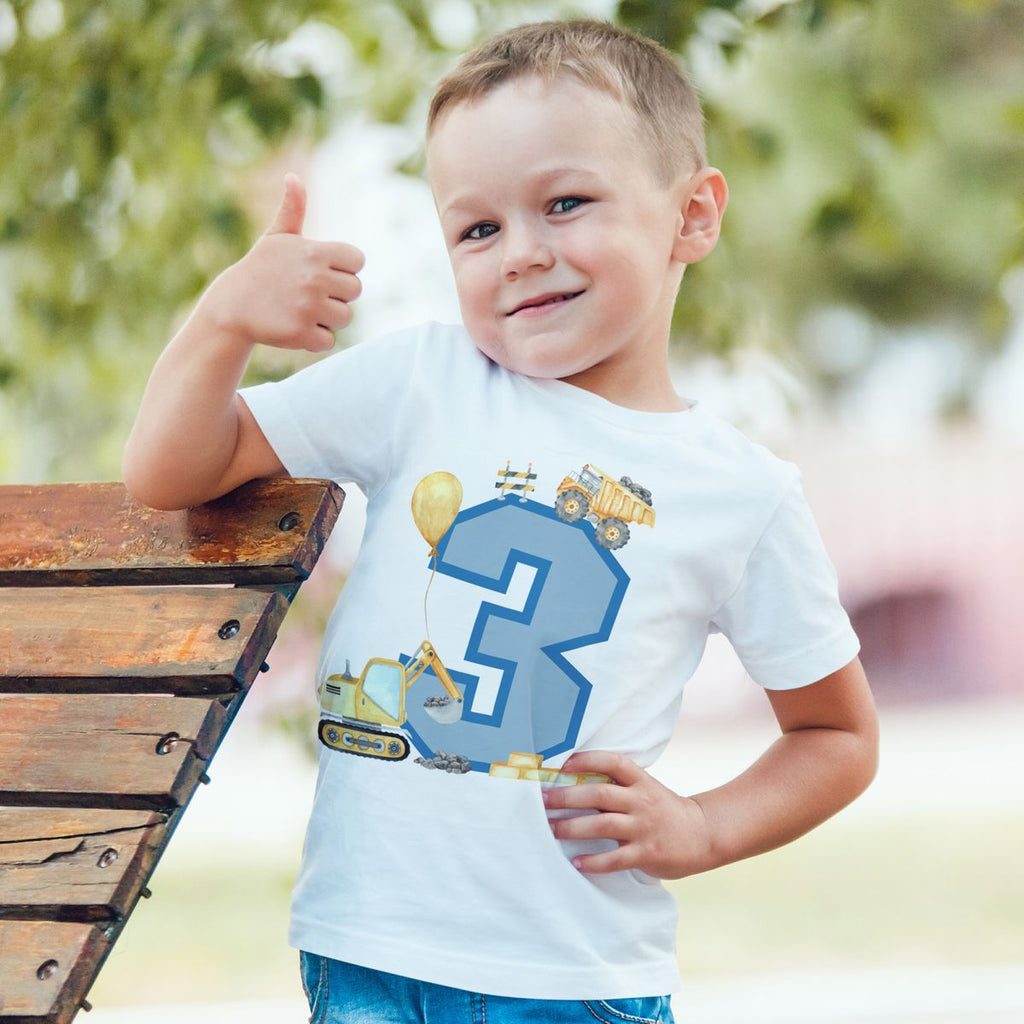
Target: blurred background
[[863, 316]]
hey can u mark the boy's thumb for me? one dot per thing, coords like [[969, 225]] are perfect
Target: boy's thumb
[[292, 211]]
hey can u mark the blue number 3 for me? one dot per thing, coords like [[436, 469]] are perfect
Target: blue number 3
[[575, 597]]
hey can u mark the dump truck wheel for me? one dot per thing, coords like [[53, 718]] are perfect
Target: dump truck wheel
[[612, 534], [571, 506]]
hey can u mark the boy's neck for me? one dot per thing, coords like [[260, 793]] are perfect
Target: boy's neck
[[650, 389]]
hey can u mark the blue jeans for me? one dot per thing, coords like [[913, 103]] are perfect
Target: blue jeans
[[341, 993]]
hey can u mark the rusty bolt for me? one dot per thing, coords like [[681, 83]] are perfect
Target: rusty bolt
[[167, 743], [229, 629], [47, 969], [107, 857], [289, 521]]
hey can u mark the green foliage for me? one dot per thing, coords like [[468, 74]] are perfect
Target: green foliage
[[120, 198], [874, 150], [875, 154]]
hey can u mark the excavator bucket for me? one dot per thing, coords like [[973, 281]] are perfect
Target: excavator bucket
[[443, 709]]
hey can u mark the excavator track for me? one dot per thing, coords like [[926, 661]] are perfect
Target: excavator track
[[363, 740]]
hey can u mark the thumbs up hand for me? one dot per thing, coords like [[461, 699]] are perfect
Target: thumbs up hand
[[292, 211], [288, 291]]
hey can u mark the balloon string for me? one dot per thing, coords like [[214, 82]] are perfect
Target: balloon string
[[426, 593]]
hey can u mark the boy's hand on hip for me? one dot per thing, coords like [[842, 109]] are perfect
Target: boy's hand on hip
[[658, 831], [288, 291]]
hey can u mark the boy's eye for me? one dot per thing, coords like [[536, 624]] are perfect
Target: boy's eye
[[479, 231], [566, 204]]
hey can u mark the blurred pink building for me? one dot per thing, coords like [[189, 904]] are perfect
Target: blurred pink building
[[928, 540]]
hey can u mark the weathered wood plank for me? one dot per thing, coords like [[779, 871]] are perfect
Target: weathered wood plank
[[97, 756], [85, 865], [103, 750], [22, 825], [46, 968], [268, 531], [168, 639]]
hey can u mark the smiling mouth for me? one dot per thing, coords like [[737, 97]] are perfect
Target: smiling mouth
[[544, 300]]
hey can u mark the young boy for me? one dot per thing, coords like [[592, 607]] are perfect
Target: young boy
[[509, 652]]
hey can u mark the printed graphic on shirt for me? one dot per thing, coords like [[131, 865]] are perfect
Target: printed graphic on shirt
[[364, 711], [435, 504], [518, 481], [609, 504], [574, 598]]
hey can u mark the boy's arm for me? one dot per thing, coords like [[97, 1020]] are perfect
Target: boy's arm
[[194, 438], [827, 755]]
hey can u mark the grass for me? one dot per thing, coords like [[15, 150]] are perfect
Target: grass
[[907, 893], [900, 894], [207, 934]]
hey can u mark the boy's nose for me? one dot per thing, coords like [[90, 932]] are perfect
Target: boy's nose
[[524, 251]]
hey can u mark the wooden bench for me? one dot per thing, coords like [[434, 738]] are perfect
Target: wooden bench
[[128, 640]]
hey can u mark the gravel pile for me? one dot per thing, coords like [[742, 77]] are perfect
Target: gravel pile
[[641, 492], [454, 763], [437, 702]]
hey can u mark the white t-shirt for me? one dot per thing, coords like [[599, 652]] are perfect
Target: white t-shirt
[[568, 606]]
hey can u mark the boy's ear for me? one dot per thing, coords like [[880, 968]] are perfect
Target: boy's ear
[[703, 204]]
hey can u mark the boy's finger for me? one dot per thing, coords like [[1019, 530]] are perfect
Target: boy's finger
[[292, 211], [320, 339], [346, 288], [342, 257], [601, 863], [597, 796], [605, 762], [593, 826]]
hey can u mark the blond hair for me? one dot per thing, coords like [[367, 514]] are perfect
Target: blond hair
[[637, 71]]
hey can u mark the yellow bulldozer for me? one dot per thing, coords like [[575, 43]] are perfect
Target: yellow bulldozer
[[607, 503], [356, 709]]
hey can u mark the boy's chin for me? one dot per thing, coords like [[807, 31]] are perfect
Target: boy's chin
[[537, 365]]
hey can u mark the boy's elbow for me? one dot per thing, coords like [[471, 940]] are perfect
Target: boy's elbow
[[869, 754], [152, 496], [868, 731], [147, 486], [863, 752], [862, 768]]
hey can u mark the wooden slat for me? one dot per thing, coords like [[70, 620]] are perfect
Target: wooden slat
[[100, 750], [19, 825], [112, 642], [165, 639], [268, 531], [30, 991], [84, 865]]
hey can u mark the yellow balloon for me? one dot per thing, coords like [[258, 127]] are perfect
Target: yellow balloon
[[435, 504]]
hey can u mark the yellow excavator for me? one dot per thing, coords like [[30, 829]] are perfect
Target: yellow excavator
[[355, 709]]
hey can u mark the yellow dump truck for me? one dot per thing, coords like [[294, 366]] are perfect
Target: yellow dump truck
[[607, 503]]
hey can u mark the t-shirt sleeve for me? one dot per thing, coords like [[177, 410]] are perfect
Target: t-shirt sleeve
[[784, 619], [332, 419]]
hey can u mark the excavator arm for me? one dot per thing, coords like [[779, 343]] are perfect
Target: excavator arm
[[426, 657]]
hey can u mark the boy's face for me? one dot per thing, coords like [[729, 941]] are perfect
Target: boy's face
[[562, 240]]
